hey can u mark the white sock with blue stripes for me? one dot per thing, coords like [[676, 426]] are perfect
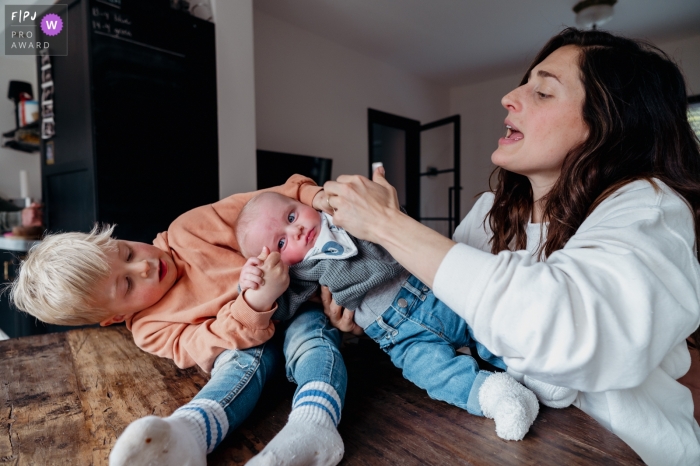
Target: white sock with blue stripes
[[311, 435], [208, 419], [184, 438]]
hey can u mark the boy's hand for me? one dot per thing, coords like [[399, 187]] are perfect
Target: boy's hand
[[275, 278], [251, 275]]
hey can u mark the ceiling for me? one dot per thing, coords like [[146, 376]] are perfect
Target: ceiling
[[455, 42]]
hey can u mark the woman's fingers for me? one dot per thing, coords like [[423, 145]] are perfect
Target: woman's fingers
[[361, 205], [341, 318]]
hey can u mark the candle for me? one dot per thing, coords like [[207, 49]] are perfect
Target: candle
[[23, 184]]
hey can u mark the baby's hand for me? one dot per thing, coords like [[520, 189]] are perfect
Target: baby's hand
[[251, 275], [275, 281]]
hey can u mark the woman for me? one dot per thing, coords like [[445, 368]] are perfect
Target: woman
[[581, 268]]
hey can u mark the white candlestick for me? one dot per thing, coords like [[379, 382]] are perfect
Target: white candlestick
[[23, 184]]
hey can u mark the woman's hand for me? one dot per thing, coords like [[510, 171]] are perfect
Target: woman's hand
[[369, 210], [362, 206], [341, 318], [320, 202], [31, 216]]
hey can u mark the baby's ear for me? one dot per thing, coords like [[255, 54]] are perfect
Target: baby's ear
[[112, 320]]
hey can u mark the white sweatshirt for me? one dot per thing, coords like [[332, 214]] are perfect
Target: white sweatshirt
[[608, 314]]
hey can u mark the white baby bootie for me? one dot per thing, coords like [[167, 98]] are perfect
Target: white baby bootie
[[512, 406], [551, 395]]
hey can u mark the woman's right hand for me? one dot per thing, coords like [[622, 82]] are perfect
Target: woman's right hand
[[362, 206], [32, 216]]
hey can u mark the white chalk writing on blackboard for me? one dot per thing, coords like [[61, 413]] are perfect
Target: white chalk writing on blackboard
[[111, 23]]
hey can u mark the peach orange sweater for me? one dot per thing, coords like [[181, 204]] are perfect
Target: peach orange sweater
[[200, 316]]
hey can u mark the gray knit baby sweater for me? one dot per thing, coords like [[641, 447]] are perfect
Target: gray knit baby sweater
[[348, 279]]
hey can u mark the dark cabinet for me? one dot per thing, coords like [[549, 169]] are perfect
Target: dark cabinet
[[132, 138], [12, 321]]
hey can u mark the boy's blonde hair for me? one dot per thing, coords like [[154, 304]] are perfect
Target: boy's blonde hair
[[57, 279]]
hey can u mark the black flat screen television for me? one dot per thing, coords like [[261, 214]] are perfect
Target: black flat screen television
[[274, 168]]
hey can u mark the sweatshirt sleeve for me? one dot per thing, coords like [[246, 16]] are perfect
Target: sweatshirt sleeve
[[599, 314], [202, 314]]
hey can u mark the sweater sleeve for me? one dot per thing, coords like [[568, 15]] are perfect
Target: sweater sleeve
[[599, 314], [202, 314]]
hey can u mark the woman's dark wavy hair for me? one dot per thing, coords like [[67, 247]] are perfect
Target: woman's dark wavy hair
[[635, 109]]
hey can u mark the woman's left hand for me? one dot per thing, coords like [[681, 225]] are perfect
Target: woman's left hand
[[341, 318]]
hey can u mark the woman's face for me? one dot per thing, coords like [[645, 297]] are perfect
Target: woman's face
[[545, 120]]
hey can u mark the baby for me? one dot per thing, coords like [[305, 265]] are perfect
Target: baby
[[399, 312]]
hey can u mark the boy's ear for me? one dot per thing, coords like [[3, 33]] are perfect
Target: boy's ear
[[112, 320]]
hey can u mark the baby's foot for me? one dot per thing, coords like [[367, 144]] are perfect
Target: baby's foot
[[551, 395], [156, 441], [512, 406]]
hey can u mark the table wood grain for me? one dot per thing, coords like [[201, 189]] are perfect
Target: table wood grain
[[66, 397]]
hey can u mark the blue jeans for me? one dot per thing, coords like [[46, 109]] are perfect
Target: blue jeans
[[311, 354], [421, 335]]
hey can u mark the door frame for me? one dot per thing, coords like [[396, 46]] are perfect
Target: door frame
[[454, 192], [412, 130]]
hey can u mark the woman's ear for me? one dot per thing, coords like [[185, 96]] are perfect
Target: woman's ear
[[112, 320]]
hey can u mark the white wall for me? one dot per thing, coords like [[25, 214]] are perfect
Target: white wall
[[482, 124], [20, 68], [235, 95], [483, 115], [312, 95], [686, 53], [236, 105]]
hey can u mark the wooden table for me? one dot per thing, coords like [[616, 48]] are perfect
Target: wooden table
[[66, 397]]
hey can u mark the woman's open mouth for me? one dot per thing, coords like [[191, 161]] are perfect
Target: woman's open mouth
[[512, 133]]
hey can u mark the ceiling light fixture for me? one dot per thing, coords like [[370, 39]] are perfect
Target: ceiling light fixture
[[592, 13]]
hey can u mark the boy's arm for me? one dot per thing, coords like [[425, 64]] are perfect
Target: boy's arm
[[236, 326], [195, 325]]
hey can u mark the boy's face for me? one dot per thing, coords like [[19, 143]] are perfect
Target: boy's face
[[140, 275], [286, 226]]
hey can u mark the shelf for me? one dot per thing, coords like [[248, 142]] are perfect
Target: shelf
[[24, 139]]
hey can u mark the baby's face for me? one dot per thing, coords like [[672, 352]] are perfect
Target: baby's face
[[286, 226]]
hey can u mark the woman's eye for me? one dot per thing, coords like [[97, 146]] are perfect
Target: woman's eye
[[128, 255], [128, 284], [291, 217], [281, 243], [542, 95]]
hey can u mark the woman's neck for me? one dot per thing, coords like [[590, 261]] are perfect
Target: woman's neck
[[536, 212], [540, 190]]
